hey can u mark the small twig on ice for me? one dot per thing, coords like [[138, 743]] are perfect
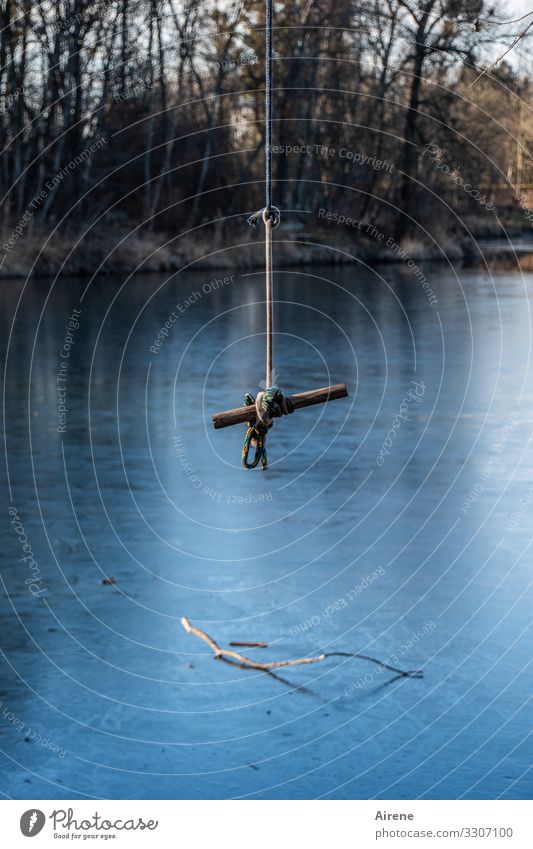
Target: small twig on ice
[[248, 645], [247, 663]]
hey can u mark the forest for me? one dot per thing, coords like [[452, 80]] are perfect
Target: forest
[[129, 124]]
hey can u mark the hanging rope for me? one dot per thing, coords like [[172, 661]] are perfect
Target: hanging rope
[[271, 403], [268, 104]]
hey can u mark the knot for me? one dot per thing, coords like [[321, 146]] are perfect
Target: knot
[[270, 404], [270, 213]]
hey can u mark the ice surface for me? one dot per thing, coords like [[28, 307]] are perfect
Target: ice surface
[[328, 550]]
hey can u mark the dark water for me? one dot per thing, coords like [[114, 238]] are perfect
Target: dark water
[[421, 556]]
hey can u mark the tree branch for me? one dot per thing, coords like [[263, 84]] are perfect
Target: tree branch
[[247, 663], [240, 658]]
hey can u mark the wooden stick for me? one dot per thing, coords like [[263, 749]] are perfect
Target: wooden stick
[[246, 661], [239, 644], [301, 399]]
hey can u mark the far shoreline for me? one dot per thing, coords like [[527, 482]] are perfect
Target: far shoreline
[[115, 252]]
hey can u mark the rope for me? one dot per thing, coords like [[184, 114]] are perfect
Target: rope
[[268, 104], [268, 212], [271, 403], [269, 301]]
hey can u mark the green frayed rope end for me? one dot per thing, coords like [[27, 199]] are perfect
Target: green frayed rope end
[[270, 404]]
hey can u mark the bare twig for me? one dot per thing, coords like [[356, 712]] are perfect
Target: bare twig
[[247, 663], [410, 673], [238, 643]]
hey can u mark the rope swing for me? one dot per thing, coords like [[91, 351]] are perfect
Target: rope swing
[[271, 403]]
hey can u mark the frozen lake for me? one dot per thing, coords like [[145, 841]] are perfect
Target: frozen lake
[[396, 523]]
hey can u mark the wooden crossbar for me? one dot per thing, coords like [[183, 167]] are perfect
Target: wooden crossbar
[[301, 399]]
